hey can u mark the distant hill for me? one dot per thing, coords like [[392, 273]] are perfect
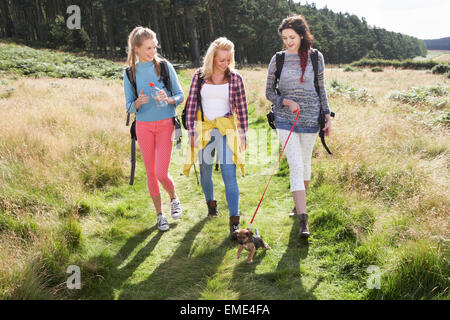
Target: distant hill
[[438, 44]]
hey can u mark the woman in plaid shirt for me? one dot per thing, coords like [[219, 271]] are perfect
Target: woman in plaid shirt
[[222, 95]]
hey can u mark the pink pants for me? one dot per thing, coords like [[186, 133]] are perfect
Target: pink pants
[[155, 142]]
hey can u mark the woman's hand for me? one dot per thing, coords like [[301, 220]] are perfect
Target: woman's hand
[[327, 125], [142, 99], [162, 96], [293, 106], [243, 144]]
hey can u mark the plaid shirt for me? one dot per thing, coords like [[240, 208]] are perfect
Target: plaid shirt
[[238, 103]]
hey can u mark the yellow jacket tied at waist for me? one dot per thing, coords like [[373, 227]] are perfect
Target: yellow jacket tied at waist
[[226, 127]]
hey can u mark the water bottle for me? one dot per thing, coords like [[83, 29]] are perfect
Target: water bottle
[[154, 92]]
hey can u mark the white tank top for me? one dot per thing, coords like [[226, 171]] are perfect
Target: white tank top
[[215, 101]]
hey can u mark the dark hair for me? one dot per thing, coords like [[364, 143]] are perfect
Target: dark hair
[[300, 26]]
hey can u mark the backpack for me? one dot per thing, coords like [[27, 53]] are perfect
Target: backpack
[[315, 63], [176, 121]]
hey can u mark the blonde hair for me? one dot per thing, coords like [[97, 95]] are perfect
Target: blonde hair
[[135, 39], [208, 61]]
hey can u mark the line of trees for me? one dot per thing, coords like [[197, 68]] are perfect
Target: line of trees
[[438, 44], [186, 27]]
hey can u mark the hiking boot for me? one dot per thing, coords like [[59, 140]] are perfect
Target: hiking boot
[[175, 208], [212, 208], [293, 212], [162, 223], [234, 225], [304, 231]]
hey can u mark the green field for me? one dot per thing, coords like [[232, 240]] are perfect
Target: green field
[[438, 55], [379, 201]]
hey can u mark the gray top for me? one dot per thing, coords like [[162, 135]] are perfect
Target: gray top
[[303, 93]]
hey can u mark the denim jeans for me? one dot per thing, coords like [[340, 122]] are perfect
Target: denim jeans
[[227, 168]]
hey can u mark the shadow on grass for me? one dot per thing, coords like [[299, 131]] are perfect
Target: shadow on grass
[[186, 274], [183, 275], [115, 275], [284, 283]]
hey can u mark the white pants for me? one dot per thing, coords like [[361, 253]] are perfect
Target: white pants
[[298, 153]]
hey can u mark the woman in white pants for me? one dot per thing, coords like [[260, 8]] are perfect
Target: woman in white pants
[[296, 93]]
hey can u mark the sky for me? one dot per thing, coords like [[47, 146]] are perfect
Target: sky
[[424, 19]]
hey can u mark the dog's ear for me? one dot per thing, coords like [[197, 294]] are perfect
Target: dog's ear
[[249, 233]]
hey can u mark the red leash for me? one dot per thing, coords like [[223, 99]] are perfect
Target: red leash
[[279, 158]]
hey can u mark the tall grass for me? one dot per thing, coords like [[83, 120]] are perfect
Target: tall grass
[[421, 272], [437, 97], [59, 139]]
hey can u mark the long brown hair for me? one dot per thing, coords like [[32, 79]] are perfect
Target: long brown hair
[[135, 39], [300, 26]]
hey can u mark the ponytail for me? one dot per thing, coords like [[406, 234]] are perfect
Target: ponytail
[[136, 37]]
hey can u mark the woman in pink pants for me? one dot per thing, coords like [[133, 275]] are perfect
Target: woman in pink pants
[[155, 110]]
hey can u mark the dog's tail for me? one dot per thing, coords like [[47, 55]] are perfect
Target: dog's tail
[[266, 246]]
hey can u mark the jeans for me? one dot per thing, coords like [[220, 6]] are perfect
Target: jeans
[[227, 168]]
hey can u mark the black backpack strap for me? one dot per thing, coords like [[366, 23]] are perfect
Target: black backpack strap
[[130, 77], [315, 63], [165, 76], [199, 97], [133, 151], [129, 73], [279, 63]]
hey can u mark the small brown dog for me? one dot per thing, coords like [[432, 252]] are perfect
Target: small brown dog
[[249, 242]]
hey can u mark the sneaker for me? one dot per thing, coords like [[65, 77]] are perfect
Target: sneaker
[[162, 223], [175, 208]]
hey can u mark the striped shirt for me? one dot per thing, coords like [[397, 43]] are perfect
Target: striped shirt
[[236, 95], [304, 93]]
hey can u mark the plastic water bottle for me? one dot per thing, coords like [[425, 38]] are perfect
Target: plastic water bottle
[[154, 92]]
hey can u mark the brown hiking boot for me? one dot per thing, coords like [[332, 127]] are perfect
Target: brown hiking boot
[[234, 225], [304, 230], [212, 208]]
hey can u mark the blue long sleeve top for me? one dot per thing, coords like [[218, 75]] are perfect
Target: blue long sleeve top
[[145, 73]]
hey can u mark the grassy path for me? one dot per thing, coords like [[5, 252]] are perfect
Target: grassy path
[[129, 258]]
